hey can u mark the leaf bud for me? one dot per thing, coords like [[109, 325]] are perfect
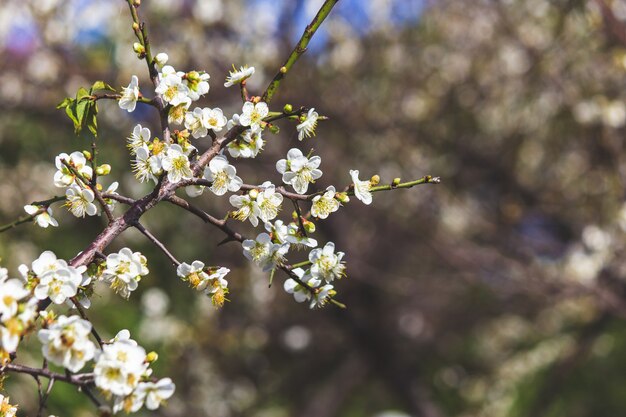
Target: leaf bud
[[283, 70], [342, 197], [104, 169], [135, 26], [137, 3], [152, 357], [253, 194], [375, 180], [273, 128], [395, 182], [87, 155], [309, 226], [288, 108]]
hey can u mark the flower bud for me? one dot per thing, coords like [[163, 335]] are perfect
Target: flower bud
[[375, 180], [395, 182], [342, 197], [288, 108], [99, 187], [161, 59], [87, 155], [294, 215], [309, 226], [139, 48], [104, 169], [135, 26], [137, 3], [152, 357], [283, 70], [253, 194]]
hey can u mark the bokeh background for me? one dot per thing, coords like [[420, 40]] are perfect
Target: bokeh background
[[499, 292]]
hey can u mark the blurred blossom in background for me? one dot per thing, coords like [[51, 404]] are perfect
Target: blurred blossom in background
[[500, 292]]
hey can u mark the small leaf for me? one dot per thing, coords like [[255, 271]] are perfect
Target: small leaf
[[82, 93], [66, 102], [100, 85]]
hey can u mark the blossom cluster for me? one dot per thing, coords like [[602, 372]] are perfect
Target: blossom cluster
[[18, 311], [210, 281]]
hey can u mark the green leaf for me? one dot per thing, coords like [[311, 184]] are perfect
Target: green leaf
[[100, 85], [66, 102], [82, 93]]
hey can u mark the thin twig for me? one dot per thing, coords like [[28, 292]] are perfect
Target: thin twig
[[75, 379], [157, 243], [299, 49]]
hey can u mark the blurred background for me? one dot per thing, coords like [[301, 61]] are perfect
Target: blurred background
[[499, 292]]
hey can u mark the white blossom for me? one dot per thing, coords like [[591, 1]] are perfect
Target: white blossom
[[361, 188], [80, 201], [176, 163], [64, 177], [269, 201], [306, 128], [263, 252], [247, 208], [300, 292], [156, 393], [146, 166], [252, 114], [326, 264], [222, 175], [119, 367], [323, 205], [298, 170], [139, 138], [201, 120], [130, 95], [247, 145], [44, 218], [6, 409], [197, 83], [171, 87], [236, 77], [123, 271], [66, 342], [11, 292], [194, 273], [57, 280]]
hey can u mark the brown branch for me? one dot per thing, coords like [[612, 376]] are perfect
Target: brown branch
[[157, 243]]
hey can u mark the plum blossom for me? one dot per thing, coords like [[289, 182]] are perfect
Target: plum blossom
[[236, 77], [326, 264], [66, 342], [119, 367], [123, 271], [57, 280], [64, 177], [298, 170], [252, 114], [361, 188], [223, 175], [176, 163], [139, 138], [130, 95], [323, 205], [247, 208], [307, 126], [80, 201], [171, 87], [268, 201], [263, 252], [44, 217]]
